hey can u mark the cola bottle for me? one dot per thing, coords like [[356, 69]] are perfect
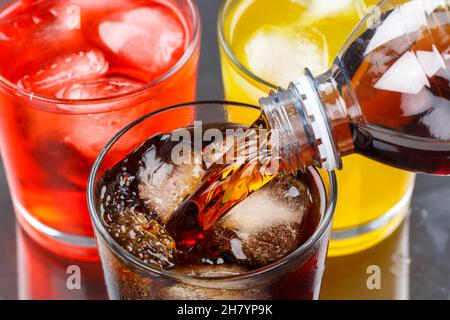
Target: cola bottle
[[387, 95]]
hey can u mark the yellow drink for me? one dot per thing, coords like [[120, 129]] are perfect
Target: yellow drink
[[265, 44]]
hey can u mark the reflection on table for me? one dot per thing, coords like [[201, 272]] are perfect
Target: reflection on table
[[43, 275], [356, 276], [46, 276]]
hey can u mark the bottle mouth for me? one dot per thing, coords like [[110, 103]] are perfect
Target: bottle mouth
[[313, 108], [284, 117], [304, 134]]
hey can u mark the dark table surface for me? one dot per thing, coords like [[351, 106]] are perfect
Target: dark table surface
[[416, 257]]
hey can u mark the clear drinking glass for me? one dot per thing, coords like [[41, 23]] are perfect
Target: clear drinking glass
[[310, 34], [297, 276], [49, 139]]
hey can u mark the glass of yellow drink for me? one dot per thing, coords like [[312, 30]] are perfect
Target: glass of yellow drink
[[265, 44]]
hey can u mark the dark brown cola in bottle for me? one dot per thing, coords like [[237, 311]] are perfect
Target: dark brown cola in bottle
[[387, 96]]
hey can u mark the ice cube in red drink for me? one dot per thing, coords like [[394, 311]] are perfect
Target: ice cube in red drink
[[65, 70], [149, 38]]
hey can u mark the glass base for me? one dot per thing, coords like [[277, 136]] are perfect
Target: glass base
[[64, 244], [353, 240]]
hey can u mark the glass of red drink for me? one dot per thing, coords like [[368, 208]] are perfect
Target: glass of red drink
[[72, 74], [132, 267]]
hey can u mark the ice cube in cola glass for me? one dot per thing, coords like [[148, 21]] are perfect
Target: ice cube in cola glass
[[73, 73], [271, 245]]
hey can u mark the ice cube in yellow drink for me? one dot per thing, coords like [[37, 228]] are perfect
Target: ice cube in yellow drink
[[266, 44]]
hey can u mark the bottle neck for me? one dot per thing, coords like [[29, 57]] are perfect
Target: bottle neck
[[312, 119]]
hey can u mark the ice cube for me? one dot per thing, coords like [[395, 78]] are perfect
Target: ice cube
[[409, 67], [64, 70], [414, 104], [90, 132], [164, 185], [404, 20], [431, 61], [31, 24], [209, 271], [149, 38], [144, 238], [445, 71], [279, 54], [268, 225], [186, 291], [319, 9], [436, 120], [35, 31], [99, 88], [99, 4]]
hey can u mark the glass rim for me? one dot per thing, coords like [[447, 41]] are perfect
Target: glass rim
[[122, 254], [227, 46], [169, 73]]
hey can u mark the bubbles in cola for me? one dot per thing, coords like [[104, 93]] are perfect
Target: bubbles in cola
[[140, 194], [261, 221], [144, 238]]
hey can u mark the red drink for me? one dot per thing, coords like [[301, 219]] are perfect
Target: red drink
[[72, 74]]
